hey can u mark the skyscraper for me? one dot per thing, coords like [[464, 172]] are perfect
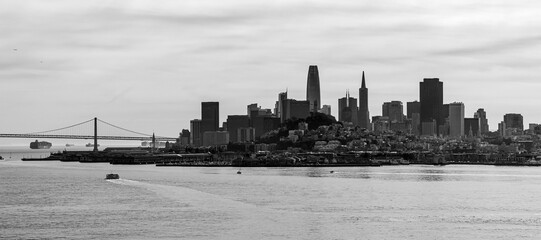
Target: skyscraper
[[414, 113], [394, 110], [185, 137], [234, 123], [456, 120], [471, 127], [195, 129], [502, 129], [413, 107], [483, 121], [312, 89], [513, 120], [347, 109], [431, 98], [295, 109], [210, 114], [443, 129], [364, 114], [445, 111], [264, 124], [280, 105], [252, 109]]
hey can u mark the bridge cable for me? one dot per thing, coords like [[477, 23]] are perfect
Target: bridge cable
[[144, 134], [58, 129], [121, 128]]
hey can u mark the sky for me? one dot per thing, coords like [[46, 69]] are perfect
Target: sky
[[147, 65]]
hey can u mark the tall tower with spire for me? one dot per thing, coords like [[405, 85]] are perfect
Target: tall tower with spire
[[312, 89], [364, 114]]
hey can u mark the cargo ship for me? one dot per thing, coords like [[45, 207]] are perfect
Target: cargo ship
[[40, 145]]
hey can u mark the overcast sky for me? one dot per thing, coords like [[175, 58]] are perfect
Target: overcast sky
[[147, 65]]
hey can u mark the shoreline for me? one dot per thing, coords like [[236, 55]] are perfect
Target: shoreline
[[204, 164]]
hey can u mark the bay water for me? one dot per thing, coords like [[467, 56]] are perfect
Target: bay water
[[71, 200]]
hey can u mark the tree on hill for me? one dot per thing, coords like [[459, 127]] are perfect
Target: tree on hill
[[319, 119], [314, 121]]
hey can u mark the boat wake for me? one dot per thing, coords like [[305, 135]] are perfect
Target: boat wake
[[239, 216], [122, 181], [185, 195]]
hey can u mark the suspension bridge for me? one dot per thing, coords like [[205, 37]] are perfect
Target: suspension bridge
[[89, 130]]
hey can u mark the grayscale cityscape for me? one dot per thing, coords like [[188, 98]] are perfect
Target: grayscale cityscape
[[235, 119]]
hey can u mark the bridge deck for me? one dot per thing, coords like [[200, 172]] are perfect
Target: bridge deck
[[85, 137]]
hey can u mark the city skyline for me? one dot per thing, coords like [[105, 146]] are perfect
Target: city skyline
[[148, 67]]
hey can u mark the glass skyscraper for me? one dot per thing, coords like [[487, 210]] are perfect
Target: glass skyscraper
[[313, 94]]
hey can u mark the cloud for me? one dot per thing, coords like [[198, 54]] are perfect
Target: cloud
[[144, 57], [494, 47]]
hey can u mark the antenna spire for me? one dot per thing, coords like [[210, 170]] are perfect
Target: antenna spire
[[363, 84]]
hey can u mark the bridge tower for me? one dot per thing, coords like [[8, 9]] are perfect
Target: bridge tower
[[153, 143], [95, 134]]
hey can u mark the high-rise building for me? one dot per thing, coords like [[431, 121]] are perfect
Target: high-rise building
[[215, 138], [416, 124], [234, 122], [428, 128], [195, 129], [394, 110], [185, 137], [472, 127], [246, 134], [279, 105], [210, 117], [513, 120], [347, 109], [312, 89], [456, 120], [483, 121], [264, 124], [445, 111], [502, 129], [325, 109], [210, 114], [295, 109], [413, 107], [431, 98], [364, 114], [414, 113], [443, 129], [254, 110], [381, 124]]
